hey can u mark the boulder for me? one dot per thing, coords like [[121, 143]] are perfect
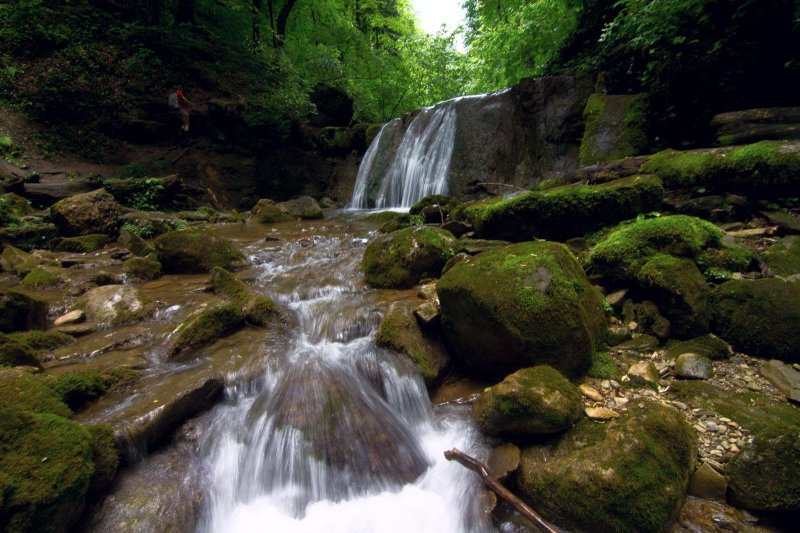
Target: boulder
[[615, 127], [19, 262], [401, 221], [645, 317], [115, 304], [23, 391], [135, 244], [523, 305], [43, 278], [563, 212], [759, 317], [303, 207], [31, 235], [205, 327], [87, 213], [402, 258], [628, 475], [751, 125], [531, 401], [19, 311], [709, 346], [399, 331], [680, 291], [80, 245], [266, 211], [258, 309], [13, 353], [195, 251], [693, 366], [150, 224], [785, 378], [783, 257], [143, 268], [720, 264]]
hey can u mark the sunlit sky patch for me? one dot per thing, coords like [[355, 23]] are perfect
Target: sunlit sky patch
[[433, 13]]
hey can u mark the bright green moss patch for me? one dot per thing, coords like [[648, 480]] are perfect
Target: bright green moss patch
[[40, 341], [258, 308], [41, 278], [207, 326], [603, 367], [24, 391], [195, 250], [615, 128], [621, 254], [144, 268], [85, 244], [564, 212], [105, 457], [382, 216], [719, 264], [401, 221]]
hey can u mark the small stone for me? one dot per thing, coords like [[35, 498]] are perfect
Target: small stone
[[734, 449], [621, 402], [632, 326], [427, 291], [601, 413], [643, 373], [427, 313], [724, 420], [753, 386], [680, 405], [591, 393], [716, 453], [504, 460], [700, 428], [712, 426], [73, 317], [605, 384]]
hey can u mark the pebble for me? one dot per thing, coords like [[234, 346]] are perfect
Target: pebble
[[601, 413], [591, 393], [700, 428], [621, 402], [712, 426]]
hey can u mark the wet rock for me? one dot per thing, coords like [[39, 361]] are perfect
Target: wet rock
[[19, 311], [617, 335], [31, 235], [503, 460], [205, 327], [643, 373], [764, 475], [81, 245], [630, 474], [520, 306], [783, 257], [266, 211], [399, 331], [137, 246], [115, 304], [401, 258], [19, 262], [709, 346], [401, 221], [693, 366], [601, 413], [195, 251], [44, 277], [457, 227], [531, 401], [88, 213], [258, 309], [73, 317], [304, 207], [759, 317], [617, 298], [785, 378], [428, 314], [615, 128], [591, 393], [708, 484], [143, 268]]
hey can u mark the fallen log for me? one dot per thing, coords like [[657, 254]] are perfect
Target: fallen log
[[496, 487]]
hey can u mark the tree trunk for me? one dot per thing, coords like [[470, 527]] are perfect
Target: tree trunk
[[283, 17]]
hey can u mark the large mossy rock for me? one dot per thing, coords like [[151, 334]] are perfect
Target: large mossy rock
[[18, 261], [680, 291], [759, 317], [615, 127], [519, 306], [115, 304], [266, 211], [629, 475], [13, 353], [783, 257], [400, 331], [143, 268], [401, 258], [531, 401], [195, 251], [19, 311], [84, 244], [258, 309], [24, 391], [563, 212], [86, 214], [205, 327], [304, 207], [764, 169], [621, 254]]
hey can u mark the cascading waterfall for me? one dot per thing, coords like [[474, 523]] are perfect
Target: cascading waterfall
[[339, 435]]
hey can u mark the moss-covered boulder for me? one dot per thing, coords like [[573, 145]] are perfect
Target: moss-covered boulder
[[24, 391], [13, 207], [30, 235], [105, 457], [151, 224], [400, 331], [85, 244], [401, 258], [18, 261], [759, 317], [304, 207], [86, 214], [401, 221], [258, 309], [720, 264], [765, 168], [135, 244], [39, 341], [531, 401], [13, 353], [144, 268], [19, 311], [523, 305], [115, 304], [266, 211], [195, 251], [615, 127], [629, 475], [563, 212], [621, 254], [680, 291], [783, 257], [43, 278], [205, 327], [709, 346]]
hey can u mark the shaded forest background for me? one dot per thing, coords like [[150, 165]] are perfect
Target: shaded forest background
[[78, 66]]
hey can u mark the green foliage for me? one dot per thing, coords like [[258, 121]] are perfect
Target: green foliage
[[603, 367], [146, 193]]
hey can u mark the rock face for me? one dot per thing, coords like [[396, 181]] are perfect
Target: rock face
[[399, 331], [195, 251], [564, 212], [531, 401], [764, 475], [519, 306], [20, 312], [750, 125], [88, 213], [615, 127], [401, 258], [115, 304], [628, 475], [759, 317]]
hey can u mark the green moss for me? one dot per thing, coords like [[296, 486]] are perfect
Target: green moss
[[40, 341], [41, 278], [615, 128], [14, 353], [447, 203], [137, 245], [46, 465], [144, 268], [257, 308], [621, 254], [80, 388], [105, 457], [719, 264], [382, 216], [24, 391], [267, 212], [19, 311], [12, 208], [195, 250], [207, 326], [401, 221], [85, 244], [763, 168], [21, 263], [401, 258], [603, 367], [709, 346], [563, 212], [783, 258]]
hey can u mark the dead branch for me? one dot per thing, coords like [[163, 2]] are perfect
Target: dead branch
[[217, 205], [496, 487]]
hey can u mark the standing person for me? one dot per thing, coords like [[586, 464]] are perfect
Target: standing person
[[180, 103]]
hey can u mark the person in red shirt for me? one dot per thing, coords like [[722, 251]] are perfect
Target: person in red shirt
[[183, 109]]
